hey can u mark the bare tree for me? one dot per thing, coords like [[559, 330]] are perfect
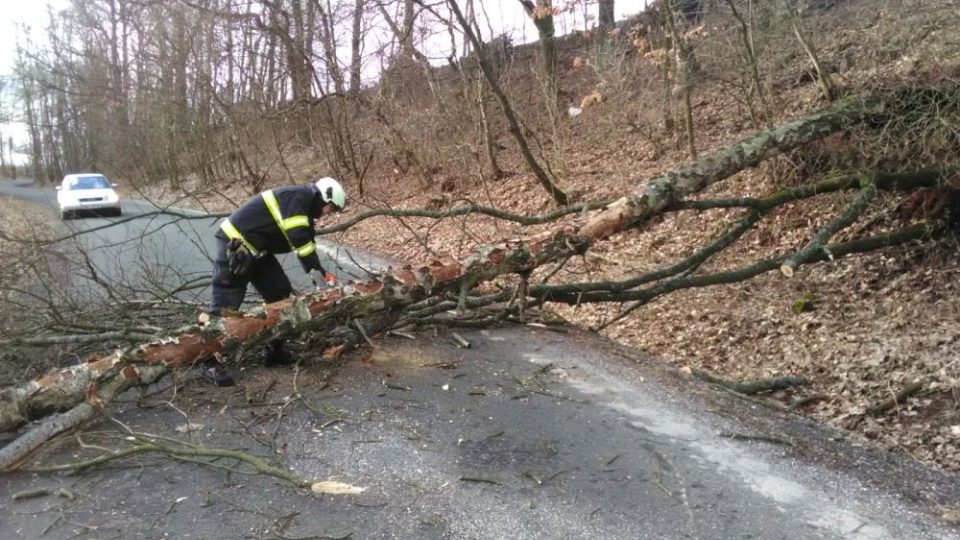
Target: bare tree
[[356, 46], [512, 121], [542, 13], [687, 69], [607, 18], [823, 77]]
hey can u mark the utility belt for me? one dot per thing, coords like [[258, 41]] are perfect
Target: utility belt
[[233, 234], [240, 253]]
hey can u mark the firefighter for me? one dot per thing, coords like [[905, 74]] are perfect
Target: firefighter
[[276, 221]]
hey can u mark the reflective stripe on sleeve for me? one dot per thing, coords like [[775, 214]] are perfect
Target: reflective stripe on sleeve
[[295, 221], [232, 233], [306, 249]]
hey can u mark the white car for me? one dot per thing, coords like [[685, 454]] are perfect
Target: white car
[[87, 192]]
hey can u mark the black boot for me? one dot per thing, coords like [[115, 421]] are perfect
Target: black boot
[[216, 373], [277, 355]]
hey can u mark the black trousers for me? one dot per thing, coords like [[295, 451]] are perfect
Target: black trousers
[[266, 274]]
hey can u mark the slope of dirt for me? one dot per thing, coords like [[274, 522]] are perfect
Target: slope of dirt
[[873, 325]]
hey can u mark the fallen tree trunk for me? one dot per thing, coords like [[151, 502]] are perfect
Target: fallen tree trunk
[[22, 446], [385, 298]]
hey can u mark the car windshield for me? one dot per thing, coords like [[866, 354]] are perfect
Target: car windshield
[[88, 182]]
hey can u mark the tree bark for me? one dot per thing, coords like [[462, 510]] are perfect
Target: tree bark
[[607, 15], [542, 15], [356, 43]]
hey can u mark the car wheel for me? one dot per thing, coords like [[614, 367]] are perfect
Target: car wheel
[[117, 212], [65, 215]]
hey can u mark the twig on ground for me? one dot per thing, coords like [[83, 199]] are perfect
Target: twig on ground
[[30, 494], [761, 438], [363, 333], [459, 341], [806, 401], [896, 400], [480, 480], [749, 388]]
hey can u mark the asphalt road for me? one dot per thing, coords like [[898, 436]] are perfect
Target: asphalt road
[[529, 433]]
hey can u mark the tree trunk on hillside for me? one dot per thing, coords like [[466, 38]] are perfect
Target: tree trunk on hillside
[[823, 77], [298, 60], [377, 305], [607, 15], [489, 141], [356, 43], [26, 89], [542, 15], [329, 43], [407, 49], [687, 70], [487, 135], [513, 122], [752, 66], [406, 37]]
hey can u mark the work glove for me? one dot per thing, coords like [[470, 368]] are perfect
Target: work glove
[[329, 279], [239, 259]]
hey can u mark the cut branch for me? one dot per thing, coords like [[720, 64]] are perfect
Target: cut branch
[[20, 448], [850, 215], [895, 238], [76, 338]]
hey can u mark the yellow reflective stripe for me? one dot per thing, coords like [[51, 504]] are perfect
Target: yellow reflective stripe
[[295, 221], [273, 206], [306, 249], [232, 233]]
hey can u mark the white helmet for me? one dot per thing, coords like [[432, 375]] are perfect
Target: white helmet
[[331, 191]]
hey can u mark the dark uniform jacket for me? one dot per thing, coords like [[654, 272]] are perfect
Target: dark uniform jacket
[[258, 227]]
